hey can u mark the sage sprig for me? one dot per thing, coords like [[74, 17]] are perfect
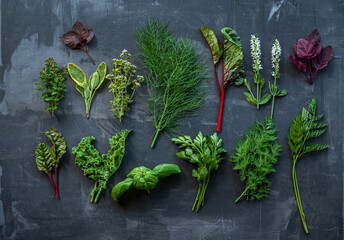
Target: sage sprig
[[304, 127], [174, 75], [87, 89], [123, 84]]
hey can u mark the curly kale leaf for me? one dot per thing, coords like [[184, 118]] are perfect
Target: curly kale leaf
[[97, 168], [206, 153], [255, 158]]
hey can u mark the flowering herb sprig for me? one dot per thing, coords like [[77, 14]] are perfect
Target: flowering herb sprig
[[275, 59], [121, 78], [256, 53]]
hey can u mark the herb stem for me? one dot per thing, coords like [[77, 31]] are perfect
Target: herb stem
[[222, 99], [298, 199], [86, 51], [243, 193], [273, 99], [57, 188], [198, 194], [155, 137], [310, 71], [258, 100], [217, 81]]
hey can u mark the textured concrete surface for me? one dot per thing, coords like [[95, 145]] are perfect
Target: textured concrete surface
[[30, 32]]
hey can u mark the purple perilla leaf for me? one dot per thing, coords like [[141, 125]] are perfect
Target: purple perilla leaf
[[297, 62], [321, 60], [305, 49]]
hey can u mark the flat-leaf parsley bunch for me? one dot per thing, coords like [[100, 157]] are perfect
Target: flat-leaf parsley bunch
[[122, 78]]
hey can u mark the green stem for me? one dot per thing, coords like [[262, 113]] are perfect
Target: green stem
[[155, 137], [272, 108], [197, 197], [258, 100], [298, 199], [243, 193]]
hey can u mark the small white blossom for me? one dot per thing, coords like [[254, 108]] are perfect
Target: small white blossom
[[275, 58], [255, 52]]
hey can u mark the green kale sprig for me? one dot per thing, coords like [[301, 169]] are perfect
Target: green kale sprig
[[304, 127], [121, 79], [52, 84], [100, 169], [255, 158], [206, 153], [143, 178]]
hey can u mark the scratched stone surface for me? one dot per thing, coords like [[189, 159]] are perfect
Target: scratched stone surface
[[30, 32]]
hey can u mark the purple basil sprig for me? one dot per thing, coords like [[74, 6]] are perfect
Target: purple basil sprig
[[78, 37], [309, 53]]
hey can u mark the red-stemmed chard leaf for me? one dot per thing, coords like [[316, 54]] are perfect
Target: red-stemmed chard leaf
[[321, 61], [315, 37], [233, 68], [298, 63], [305, 49], [215, 49], [78, 37]]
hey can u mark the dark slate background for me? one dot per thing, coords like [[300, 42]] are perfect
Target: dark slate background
[[30, 33]]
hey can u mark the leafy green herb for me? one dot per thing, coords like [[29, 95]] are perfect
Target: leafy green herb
[[49, 158], [206, 153], [275, 59], [52, 84], [255, 158], [87, 90], [121, 79], [258, 151], [274, 92], [233, 67], [174, 75], [100, 169], [304, 127], [143, 178]]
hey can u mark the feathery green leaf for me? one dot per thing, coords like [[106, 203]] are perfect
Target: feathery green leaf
[[174, 75]]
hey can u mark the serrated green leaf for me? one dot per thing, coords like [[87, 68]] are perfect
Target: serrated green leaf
[[314, 147]]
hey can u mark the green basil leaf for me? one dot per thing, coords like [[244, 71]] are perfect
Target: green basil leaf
[[282, 93], [166, 170], [120, 188]]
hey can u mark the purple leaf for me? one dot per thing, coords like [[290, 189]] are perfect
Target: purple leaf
[[80, 29], [321, 61], [305, 49], [315, 36], [71, 39], [90, 37], [298, 63]]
